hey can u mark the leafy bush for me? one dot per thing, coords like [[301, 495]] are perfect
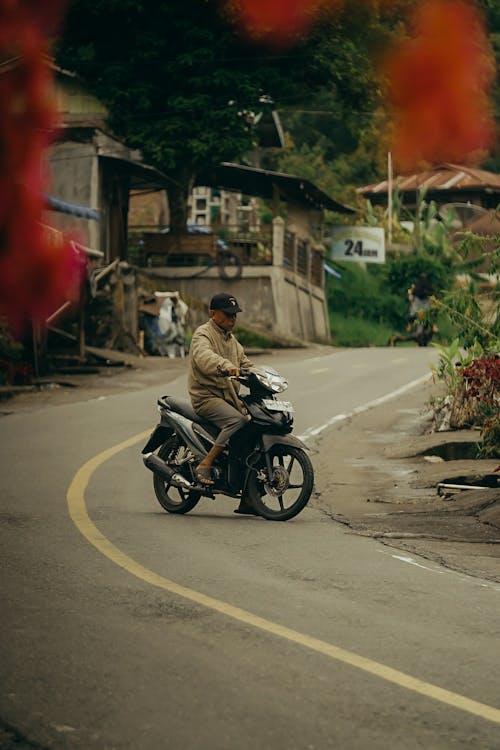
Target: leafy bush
[[403, 272], [249, 338], [490, 435], [378, 294], [361, 293], [480, 385], [471, 379], [476, 317], [354, 331]]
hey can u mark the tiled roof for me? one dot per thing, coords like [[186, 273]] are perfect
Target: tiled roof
[[444, 177]]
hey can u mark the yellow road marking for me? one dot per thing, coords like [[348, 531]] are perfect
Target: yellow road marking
[[78, 512]]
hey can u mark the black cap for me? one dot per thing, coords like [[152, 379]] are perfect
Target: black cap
[[225, 302]]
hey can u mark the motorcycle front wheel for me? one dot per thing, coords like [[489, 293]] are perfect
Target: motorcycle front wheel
[[282, 493], [173, 499]]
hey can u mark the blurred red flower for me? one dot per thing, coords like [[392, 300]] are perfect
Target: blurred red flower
[[277, 22], [438, 84], [37, 271]]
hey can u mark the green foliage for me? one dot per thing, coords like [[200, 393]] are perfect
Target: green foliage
[[176, 82], [472, 394], [253, 339], [480, 250], [345, 122], [402, 272], [308, 162], [351, 133], [360, 293], [469, 369], [379, 293], [183, 86], [476, 318], [490, 438], [249, 339], [491, 9], [451, 358], [348, 330]]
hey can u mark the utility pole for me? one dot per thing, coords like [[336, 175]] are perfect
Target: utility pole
[[389, 194]]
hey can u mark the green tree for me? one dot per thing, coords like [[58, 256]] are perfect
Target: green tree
[[183, 86], [345, 123], [351, 136], [491, 13]]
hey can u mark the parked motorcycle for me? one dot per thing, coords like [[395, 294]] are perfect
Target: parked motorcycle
[[264, 463]]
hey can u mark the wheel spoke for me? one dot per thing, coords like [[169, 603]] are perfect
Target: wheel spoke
[[289, 467], [294, 486], [280, 499]]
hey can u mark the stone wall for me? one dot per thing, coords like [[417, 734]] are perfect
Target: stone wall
[[276, 299]]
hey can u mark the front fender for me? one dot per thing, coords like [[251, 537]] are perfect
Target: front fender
[[269, 440]]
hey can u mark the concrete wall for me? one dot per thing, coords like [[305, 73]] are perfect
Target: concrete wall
[[72, 179], [77, 176], [304, 220], [275, 300]]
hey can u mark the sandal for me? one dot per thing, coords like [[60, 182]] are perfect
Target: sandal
[[204, 476]]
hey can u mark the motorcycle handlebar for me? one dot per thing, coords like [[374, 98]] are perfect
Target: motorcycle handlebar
[[225, 373]]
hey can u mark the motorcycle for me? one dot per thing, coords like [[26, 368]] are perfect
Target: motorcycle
[[264, 464], [421, 325]]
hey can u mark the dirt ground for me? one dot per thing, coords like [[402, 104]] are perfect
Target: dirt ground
[[377, 473]]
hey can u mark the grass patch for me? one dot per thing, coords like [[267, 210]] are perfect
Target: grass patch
[[253, 339], [351, 330], [348, 330], [249, 339]]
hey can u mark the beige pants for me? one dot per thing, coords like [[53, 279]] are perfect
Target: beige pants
[[225, 416]]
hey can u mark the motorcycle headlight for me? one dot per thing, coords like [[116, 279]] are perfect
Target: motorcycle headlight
[[270, 379]]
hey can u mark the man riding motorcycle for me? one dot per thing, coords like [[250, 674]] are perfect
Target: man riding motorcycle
[[215, 350]]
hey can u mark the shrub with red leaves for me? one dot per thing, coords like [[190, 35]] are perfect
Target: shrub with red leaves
[[482, 379], [37, 270], [481, 390]]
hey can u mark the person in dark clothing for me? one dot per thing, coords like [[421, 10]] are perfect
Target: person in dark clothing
[[419, 303]]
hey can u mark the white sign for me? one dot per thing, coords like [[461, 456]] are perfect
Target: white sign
[[358, 244]]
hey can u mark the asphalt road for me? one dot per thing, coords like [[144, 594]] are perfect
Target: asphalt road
[[125, 627]]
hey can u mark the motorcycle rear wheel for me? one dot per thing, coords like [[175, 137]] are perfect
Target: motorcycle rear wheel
[[229, 265], [283, 495], [423, 335], [173, 499]]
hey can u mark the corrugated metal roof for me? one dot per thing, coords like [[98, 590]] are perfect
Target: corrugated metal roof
[[444, 177], [262, 182], [141, 176]]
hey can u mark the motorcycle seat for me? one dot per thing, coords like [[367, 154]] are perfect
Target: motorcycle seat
[[182, 406]]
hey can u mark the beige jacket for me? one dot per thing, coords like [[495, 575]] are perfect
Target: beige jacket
[[212, 350]]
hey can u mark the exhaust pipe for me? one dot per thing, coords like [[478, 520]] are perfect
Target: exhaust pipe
[[159, 467]]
